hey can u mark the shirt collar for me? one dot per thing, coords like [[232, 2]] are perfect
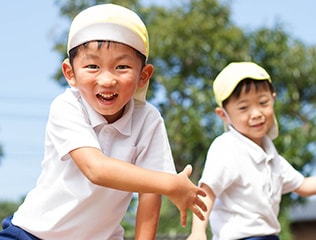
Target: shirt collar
[[256, 152], [123, 125], [94, 117]]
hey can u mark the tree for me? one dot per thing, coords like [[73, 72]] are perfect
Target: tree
[[189, 44]]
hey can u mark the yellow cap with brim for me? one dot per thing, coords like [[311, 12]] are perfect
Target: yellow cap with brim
[[228, 79], [110, 22]]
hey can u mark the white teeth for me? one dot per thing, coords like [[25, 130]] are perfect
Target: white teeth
[[106, 96]]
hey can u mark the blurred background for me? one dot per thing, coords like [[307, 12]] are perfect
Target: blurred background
[[191, 41]]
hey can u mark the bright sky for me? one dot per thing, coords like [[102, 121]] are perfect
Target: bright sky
[[28, 63]]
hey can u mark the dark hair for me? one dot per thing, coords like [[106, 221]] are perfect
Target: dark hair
[[74, 51], [246, 85]]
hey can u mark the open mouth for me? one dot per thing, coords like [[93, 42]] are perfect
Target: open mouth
[[258, 125], [107, 97]]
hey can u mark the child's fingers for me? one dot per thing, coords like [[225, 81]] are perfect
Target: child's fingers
[[183, 217], [197, 205], [197, 211], [201, 192], [187, 170], [199, 202]]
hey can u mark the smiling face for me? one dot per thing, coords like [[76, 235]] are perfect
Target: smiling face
[[251, 113], [107, 75]]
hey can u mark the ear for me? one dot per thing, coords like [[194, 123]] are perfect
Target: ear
[[145, 75], [221, 113], [68, 72]]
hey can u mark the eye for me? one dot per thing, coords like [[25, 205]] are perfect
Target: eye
[[264, 102], [243, 108], [92, 66], [122, 67]]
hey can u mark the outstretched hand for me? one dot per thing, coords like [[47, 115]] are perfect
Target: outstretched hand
[[186, 195]]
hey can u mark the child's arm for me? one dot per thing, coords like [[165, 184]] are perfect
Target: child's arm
[[147, 218], [308, 187], [117, 174], [198, 231]]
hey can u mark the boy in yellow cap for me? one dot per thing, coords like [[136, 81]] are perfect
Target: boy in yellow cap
[[244, 176], [103, 141]]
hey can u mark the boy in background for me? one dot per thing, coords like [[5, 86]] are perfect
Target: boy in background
[[244, 175]]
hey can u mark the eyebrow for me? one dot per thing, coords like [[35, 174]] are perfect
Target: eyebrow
[[91, 55], [124, 56], [118, 57]]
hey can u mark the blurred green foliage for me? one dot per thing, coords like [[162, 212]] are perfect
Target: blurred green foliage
[[190, 42]]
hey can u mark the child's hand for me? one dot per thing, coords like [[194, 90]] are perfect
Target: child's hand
[[186, 195]]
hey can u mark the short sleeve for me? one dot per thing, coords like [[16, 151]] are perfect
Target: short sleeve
[[68, 126], [220, 169], [153, 146], [292, 179]]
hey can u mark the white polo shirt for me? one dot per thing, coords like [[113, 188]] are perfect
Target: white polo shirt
[[248, 183], [65, 204]]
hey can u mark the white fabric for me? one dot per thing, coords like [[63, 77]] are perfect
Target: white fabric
[[64, 204], [248, 183]]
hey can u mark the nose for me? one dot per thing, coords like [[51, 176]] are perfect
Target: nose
[[107, 79], [256, 114]]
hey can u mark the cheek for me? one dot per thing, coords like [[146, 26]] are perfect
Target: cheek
[[240, 118], [84, 81], [270, 117], [131, 84], [85, 88]]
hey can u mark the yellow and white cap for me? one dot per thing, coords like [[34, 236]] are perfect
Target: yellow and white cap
[[110, 22], [228, 79]]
